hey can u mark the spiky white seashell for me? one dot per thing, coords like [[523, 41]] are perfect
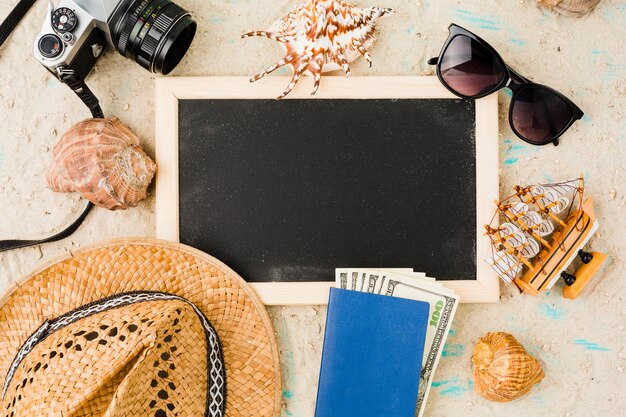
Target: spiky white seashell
[[320, 36]]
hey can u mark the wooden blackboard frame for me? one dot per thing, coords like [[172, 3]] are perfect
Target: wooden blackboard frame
[[172, 89]]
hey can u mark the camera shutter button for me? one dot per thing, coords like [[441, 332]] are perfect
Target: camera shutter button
[[96, 49]]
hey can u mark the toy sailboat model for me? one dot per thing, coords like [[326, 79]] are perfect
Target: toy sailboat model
[[546, 226]]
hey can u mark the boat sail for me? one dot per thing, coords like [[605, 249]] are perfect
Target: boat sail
[[544, 228]]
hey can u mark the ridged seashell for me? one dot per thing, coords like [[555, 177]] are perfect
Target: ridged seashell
[[575, 8], [503, 371], [101, 159], [320, 36]]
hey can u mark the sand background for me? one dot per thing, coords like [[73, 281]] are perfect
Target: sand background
[[581, 344]]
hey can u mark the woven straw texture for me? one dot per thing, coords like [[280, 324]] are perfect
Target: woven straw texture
[[122, 362], [241, 321]]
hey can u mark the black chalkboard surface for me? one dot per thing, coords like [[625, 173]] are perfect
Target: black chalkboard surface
[[289, 190]]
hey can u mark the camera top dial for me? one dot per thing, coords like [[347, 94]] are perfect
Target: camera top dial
[[50, 45], [64, 20]]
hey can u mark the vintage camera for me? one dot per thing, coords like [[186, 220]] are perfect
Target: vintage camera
[[154, 33]]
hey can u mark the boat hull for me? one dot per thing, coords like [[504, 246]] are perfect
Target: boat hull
[[580, 225]]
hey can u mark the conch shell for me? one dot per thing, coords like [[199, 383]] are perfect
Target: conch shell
[[503, 371], [574, 8], [101, 159], [320, 36]]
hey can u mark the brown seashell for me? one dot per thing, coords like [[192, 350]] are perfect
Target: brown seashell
[[503, 371], [101, 159], [574, 8]]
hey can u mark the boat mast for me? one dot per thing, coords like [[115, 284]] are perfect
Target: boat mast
[[499, 239], [523, 193], [505, 209]]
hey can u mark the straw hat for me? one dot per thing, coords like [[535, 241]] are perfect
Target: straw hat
[[137, 327]]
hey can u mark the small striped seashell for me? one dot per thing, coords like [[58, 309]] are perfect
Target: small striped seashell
[[503, 370], [574, 8], [102, 160], [320, 36]]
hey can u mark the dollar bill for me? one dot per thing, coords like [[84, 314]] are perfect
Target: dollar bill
[[341, 280], [356, 278], [443, 305], [415, 280]]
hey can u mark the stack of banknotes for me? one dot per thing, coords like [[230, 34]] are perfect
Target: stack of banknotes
[[415, 286]]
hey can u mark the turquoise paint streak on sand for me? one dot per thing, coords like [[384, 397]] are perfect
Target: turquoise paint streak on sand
[[287, 394], [437, 384], [516, 149], [613, 71], [453, 387], [490, 23], [453, 350], [588, 345], [610, 70], [544, 17], [614, 17], [454, 391], [552, 311]]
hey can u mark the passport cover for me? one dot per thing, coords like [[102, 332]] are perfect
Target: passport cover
[[372, 355]]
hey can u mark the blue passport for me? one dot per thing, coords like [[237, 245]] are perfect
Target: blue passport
[[372, 355]]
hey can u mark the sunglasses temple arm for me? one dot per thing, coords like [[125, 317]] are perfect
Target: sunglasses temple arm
[[516, 76], [433, 61]]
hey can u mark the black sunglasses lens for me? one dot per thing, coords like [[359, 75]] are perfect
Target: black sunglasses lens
[[469, 68], [539, 115]]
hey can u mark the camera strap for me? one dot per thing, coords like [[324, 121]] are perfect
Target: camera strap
[[77, 84], [10, 23]]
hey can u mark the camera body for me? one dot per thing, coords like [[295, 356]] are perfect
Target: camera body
[[154, 33]]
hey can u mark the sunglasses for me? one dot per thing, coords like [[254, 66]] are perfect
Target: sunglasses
[[470, 68]]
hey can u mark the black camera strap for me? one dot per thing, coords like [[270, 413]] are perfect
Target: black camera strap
[[14, 18], [77, 84]]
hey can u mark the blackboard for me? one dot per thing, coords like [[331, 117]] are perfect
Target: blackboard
[[290, 190], [287, 191]]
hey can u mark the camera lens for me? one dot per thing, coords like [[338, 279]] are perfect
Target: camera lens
[[154, 33]]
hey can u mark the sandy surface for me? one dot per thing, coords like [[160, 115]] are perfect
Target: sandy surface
[[581, 344]]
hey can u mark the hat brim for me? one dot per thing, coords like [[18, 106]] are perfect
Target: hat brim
[[250, 351]]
